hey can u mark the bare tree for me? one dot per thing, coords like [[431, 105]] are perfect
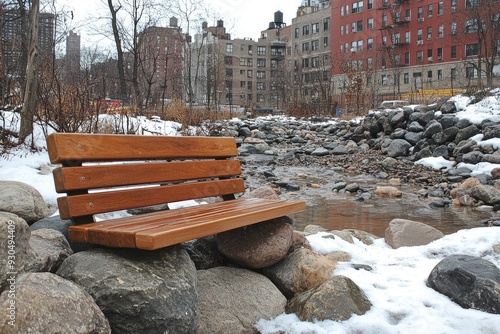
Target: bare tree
[[29, 100]]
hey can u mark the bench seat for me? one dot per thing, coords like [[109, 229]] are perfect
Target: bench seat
[[108, 173]]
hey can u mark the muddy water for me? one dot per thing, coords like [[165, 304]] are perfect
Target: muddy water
[[374, 215]]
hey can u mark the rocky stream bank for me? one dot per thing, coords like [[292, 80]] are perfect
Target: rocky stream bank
[[226, 283]]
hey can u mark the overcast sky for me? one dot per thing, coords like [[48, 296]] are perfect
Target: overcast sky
[[242, 18]]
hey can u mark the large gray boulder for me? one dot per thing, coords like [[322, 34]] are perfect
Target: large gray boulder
[[398, 148], [404, 233], [488, 194], [259, 245], [232, 300], [300, 271], [139, 291], [23, 200], [47, 303], [50, 249], [61, 225], [469, 281], [16, 255], [336, 299]]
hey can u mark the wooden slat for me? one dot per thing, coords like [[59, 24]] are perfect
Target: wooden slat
[[101, 176], [167, 228], [69, 148], [108, 201]]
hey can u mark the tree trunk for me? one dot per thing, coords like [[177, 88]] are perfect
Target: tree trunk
[[29, 101], [119, 50]]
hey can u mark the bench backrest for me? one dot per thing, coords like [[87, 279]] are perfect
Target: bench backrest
[[105, 173]]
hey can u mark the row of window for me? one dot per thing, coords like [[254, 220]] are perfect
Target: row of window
[[385, 79], [313, 28], [261, 50], [357, 7], [312, 45]]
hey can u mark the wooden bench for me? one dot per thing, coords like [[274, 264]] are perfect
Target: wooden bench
[[108, 173]]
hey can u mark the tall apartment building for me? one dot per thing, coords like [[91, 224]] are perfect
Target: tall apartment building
[[240, 72], [311, 54], [161, 70], [413, 49], [73, 55]]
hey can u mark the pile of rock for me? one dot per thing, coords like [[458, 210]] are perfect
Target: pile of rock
[[222, 284], [384, 144]]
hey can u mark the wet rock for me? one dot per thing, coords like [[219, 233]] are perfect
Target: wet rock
[[336, 299], [339, 186], [469, 281], [258, 245], [232, 300], [387, 191], [352, 187], [139, 291], [300, 271], [404, 233], [22, 200], [47, 303]]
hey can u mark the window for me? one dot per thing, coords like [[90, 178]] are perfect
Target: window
[[229, 72], [326, 24], [430, 9], [408, 14], [406, 78], [305, 30], [420, 56], [250, 51], [470, 72], [407, 58], [242, 61], [419, 35], [453, 73], [369, 23], [369, 44], [471, 49], [471, 26], [342, 11], [346, 29], [249, 62], [429, 32], [242, 72], [357, 7], [228, 60], [429, 53], [305, 62], [325, 41], [396, 38], [261, 98], [384, 21], [471, 3], [296, 32], [243, 84], [315, 27], [407, 37], [249, 74], [359, 26], [229, 48], [261, 86], [370, 4], [420, 13], [440, 53], [429, 75], [440, 74], [453, 28], [453, 52], [315, 45], [261, 50], [249, 85], [315, 62], [440, 31], [360, 46], [261, 62], [385, 81], [305, 46], [440, 8], [341, 30], [369, 63], [261, 74]]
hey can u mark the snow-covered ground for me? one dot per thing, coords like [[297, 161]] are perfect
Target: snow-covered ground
[[402, 302]]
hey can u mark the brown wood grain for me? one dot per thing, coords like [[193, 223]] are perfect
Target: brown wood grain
[[68, 148], [161, 229], [108, 201], [102, 176]]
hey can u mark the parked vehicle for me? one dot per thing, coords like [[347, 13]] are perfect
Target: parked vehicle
[[393, 104]]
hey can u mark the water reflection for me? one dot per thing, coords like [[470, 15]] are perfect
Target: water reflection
[[374, 215]]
